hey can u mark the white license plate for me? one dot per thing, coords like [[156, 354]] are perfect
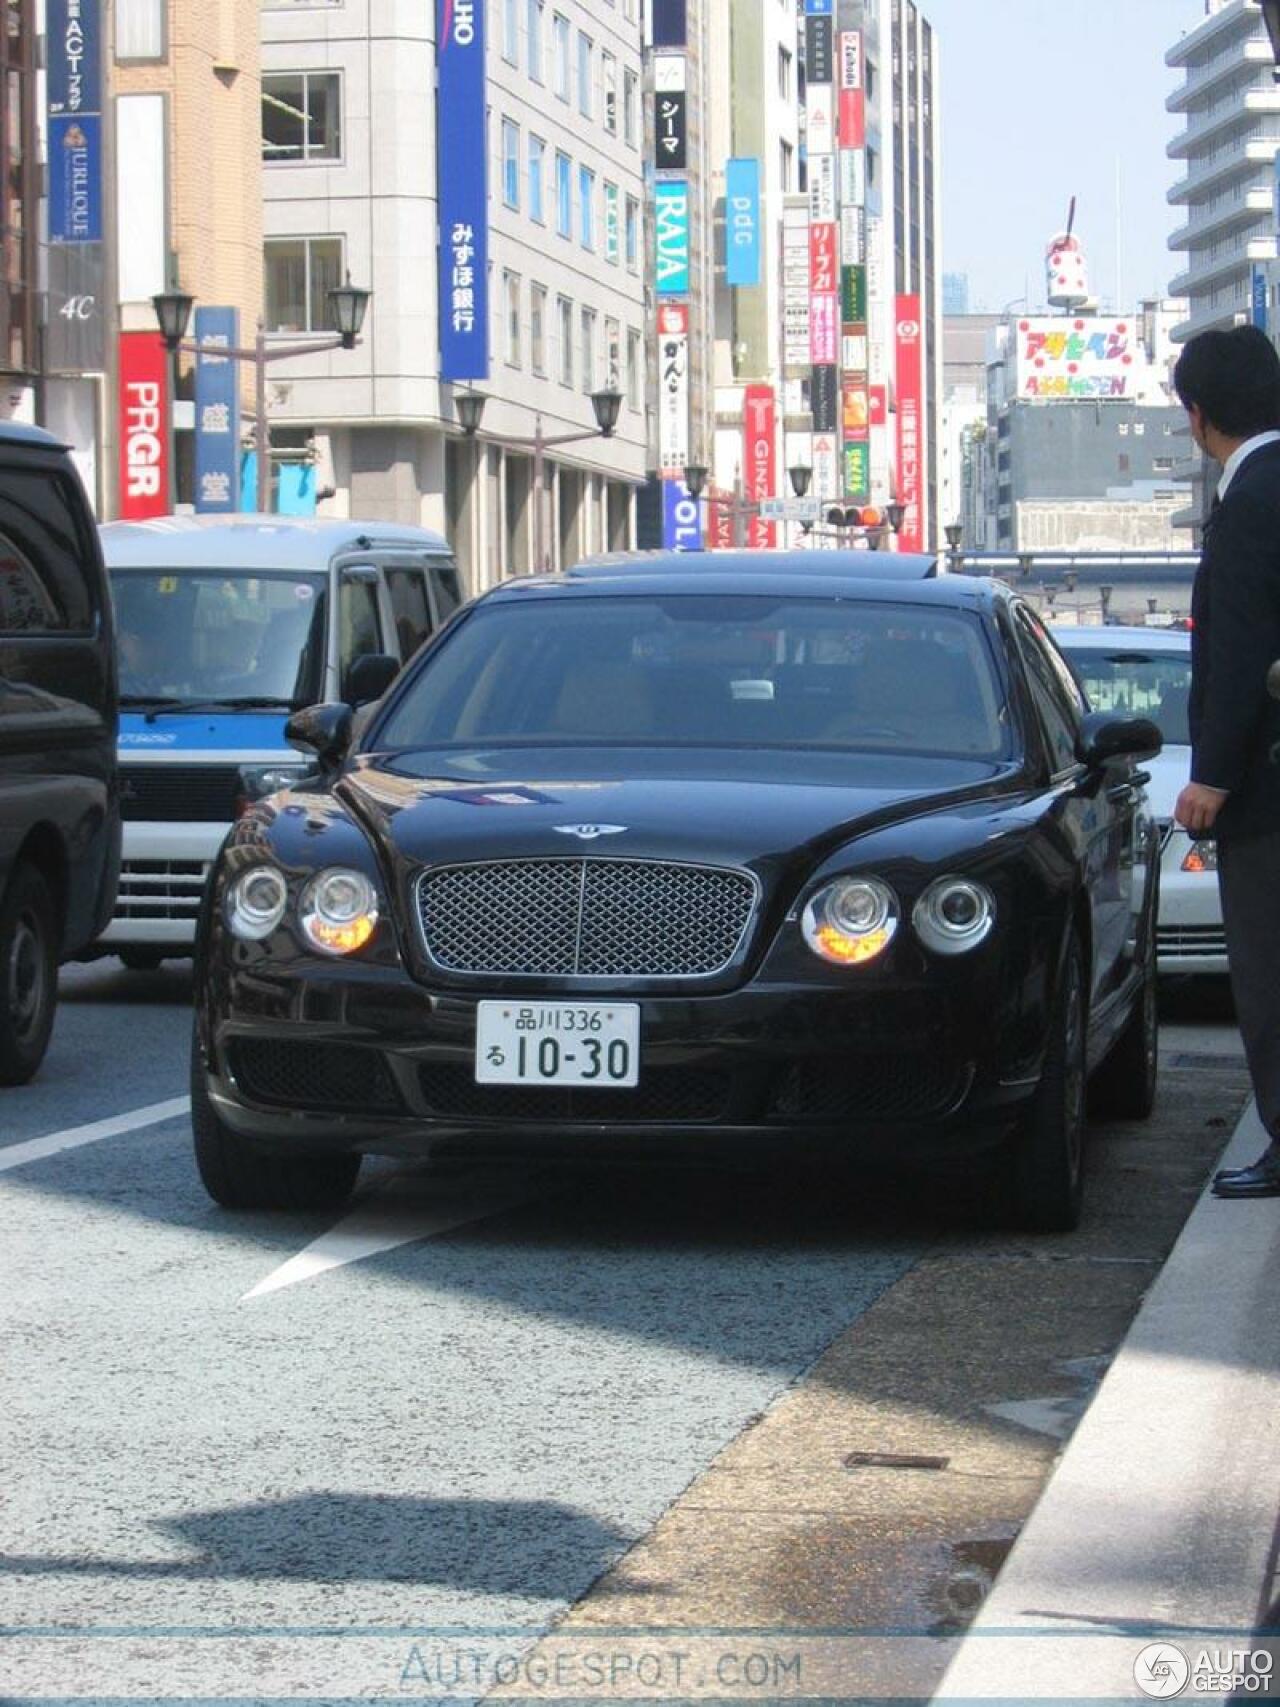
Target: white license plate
[[594, 1044]]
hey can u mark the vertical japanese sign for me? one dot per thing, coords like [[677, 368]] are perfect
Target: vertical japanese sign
[[681, 518], [673, 387], [857, 470], [824, 390], [670, 23], [75, 338], [818, 56], [852, 117], [462, 190], [670, 113], [671, 228], [742, 222], [907, 345], [612, 225], [760, 457], [217, 412], [1258, 295], [144, 425]]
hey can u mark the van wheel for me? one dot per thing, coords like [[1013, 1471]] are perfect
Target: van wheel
[[239, 1174], [28, 974], [1045, 1178]]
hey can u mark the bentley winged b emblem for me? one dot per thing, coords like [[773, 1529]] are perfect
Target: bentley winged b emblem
[[589, 832]]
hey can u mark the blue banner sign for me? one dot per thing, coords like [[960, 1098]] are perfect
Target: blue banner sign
[[681, 518], [742, 222], [463, 190], [217, 413], [819, 8], [73, 98], [671, 226], [74, 47], [670, 23], [1258, 295]]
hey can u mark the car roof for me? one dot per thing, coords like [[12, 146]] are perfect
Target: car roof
[[253, 541], [1119, 638], [34, 438], [765, 573]]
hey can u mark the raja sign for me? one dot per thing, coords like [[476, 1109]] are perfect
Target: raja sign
[[671, 222], [907, 346], [144, 426], [758, 428]]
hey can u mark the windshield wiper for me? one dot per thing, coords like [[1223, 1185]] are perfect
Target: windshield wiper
[[156, 703]]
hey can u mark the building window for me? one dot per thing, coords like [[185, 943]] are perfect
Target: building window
[[301, 116], [564, 326], [511, 163], [785, 166], [784, 73], [612, 235], [587, 327], [631, 236], [511, 302], [564, 195], [300, 273], [633, 368], [587, 207], [538, 328], [537, 12], [609, 83], [612, 354], [140, 29], [537, 177], [560, 31], [630, 107], [584, 74]]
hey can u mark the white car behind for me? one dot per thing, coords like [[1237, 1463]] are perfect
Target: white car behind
[[1147, 671]]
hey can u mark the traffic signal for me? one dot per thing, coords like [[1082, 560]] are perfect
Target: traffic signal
[[856, 516]]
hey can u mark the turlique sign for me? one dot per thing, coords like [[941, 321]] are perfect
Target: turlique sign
[[73, 102], [462, 190]]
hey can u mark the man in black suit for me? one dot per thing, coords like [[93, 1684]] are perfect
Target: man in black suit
[[1229, 383]]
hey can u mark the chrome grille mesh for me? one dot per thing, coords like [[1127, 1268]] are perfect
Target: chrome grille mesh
[[585, 918]]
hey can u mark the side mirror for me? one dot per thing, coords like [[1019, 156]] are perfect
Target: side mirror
[[369, 677], [324, 730], [1104, 737]]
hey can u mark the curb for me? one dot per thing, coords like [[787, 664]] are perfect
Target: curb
[[1159, 1522]]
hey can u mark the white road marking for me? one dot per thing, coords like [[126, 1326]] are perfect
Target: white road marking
[[16, 1155], [409, 1207]]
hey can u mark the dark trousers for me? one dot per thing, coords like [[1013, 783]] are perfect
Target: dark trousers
[[1249, 882]]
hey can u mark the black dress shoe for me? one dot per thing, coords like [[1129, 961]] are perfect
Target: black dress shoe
[[1262, 1179]]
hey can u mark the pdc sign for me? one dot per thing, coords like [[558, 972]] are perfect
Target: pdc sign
[[144, 408]]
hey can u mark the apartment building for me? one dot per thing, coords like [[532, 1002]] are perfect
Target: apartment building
[[524, 169]]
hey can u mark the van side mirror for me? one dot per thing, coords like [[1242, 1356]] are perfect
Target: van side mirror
[[1104, 737], [324, 730], [369, 677]]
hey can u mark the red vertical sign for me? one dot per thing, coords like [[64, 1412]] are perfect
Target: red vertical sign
[[760, 458], [144, 426], [907, 342]]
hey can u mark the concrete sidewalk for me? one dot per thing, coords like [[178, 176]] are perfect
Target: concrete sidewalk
[[1158, 1527]]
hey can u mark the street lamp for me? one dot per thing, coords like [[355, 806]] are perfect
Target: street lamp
[[695, 479], [348, 305], [1104, 593], [605, 404], [954, 532], [800, 475]]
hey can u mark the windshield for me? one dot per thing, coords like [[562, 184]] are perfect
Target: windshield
[[209, 636], [1134, 682], [708, 671]]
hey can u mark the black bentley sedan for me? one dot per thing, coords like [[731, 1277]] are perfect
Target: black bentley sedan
[[666, 853]]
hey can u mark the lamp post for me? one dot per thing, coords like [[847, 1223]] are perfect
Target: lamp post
[[954, 532], [348, 305], [1104, 593], [607, 404], [695, 480]]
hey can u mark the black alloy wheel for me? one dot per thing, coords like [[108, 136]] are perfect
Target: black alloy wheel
[[28, 974], [1045, 1170]]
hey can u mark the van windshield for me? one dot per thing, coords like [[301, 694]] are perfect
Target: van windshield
[[216, 636]]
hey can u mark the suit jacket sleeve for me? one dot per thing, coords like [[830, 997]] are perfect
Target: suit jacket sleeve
[[1243, 591]]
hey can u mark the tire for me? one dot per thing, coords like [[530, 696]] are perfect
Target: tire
[[1046, 1170], [238, 1174], [141, 959], [28, 974], [1124, 1086]]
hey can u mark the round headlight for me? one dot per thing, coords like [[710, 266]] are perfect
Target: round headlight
[[954, 915], [339, 911], [255, 902], [851, 920]]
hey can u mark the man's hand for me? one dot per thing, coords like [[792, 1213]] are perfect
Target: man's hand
[[1198, 805]]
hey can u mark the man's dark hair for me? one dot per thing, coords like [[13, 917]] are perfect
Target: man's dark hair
[[1234, 379]]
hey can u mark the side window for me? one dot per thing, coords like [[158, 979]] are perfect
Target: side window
[[46, 576], [358, 630], [408, 591], [1058, 699], [448, 585]]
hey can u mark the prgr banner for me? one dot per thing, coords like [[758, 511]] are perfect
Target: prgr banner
[[143, 401], [742, 222], [760, 458], [217, 412], [463, 197], [908, 351]]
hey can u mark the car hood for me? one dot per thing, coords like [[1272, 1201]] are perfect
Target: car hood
[[743, 808]]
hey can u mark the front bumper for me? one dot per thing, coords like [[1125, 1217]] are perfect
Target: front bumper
[[1189, 934], [357, 1059], [163, 871]]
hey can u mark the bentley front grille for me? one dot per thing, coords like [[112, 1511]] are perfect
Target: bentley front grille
[[585, 918]]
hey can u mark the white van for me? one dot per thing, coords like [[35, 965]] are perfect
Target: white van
[[225, 626]]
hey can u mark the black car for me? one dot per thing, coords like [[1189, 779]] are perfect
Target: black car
[[59, 800], [669, 851]]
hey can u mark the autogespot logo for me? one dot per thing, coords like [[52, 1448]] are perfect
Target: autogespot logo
[[1161, 1670]]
